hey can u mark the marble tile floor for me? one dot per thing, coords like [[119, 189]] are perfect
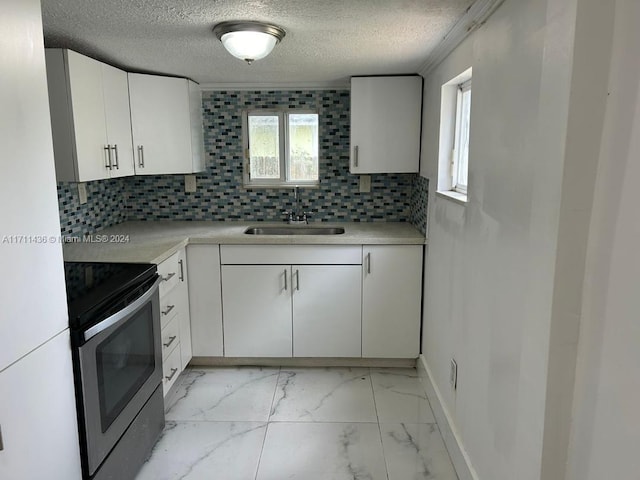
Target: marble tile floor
[[252, 423]]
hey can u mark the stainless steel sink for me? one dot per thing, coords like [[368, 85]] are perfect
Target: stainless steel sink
[[294, 230]]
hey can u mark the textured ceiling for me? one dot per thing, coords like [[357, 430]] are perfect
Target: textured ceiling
[[327, 41]]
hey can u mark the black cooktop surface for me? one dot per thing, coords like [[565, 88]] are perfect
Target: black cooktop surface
[[96, 289]]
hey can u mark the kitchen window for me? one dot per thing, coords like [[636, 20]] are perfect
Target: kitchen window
[[280, 148], [460, 162], [455, 130]]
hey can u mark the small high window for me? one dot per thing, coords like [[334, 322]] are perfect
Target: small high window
[[455, 130], [281, 148], [460, 163]]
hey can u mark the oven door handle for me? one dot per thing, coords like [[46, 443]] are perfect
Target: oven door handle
[[125, 312]]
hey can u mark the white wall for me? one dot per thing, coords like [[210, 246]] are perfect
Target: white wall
[[492, 264], [606, 419]]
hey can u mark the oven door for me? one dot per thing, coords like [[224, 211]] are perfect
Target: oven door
[[120, 367]]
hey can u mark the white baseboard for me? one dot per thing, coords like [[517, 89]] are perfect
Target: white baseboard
[[452, 440]]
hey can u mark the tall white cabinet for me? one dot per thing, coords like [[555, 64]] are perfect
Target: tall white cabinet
[[37, 408], [91, 121], [163, 109], [386, 116]]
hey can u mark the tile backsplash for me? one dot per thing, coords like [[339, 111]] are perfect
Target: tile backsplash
[[106, 206], [221, 194]]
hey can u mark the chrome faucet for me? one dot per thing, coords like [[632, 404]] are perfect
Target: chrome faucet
[[297, 215]]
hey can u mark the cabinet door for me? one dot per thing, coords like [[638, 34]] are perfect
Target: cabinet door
[[391, 297], [385, 124], [38, 415], [118, 120], [205, 300], [161, 122], [183, 311], [256, 304], [88, 117], [326, 310]]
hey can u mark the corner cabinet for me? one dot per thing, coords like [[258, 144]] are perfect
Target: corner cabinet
[[166, 116], [391, 300], [90, 117], [385, 124]]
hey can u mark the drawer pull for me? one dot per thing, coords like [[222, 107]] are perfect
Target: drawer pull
[[171, 340], [169, 308], [168, 277], [173, 374]]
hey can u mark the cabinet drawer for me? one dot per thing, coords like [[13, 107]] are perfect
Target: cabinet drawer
[[170, 337], [291, 254], [172, 272], [169, 306], [170, 370]]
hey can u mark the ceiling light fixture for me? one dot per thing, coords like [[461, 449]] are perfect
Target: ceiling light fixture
[[248, 41]]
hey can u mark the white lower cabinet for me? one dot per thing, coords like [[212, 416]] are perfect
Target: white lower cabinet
[[205, 302], [391, 300], [256, 302], [326, 310], [38, 424]]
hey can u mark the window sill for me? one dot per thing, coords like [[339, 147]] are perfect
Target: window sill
[[279, 186], [456, 197]]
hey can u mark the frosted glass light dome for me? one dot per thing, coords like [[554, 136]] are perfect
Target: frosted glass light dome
[[248, 41]]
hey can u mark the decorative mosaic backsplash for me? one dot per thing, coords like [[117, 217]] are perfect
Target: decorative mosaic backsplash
[[419, 194], [221, 195], [105, 207]]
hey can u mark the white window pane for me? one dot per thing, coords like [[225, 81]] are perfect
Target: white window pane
[[264, 146], [463, 159], [303, 147]]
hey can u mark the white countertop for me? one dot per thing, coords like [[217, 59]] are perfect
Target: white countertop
[[155, 241]]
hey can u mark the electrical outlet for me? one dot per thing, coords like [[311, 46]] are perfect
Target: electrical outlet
[[453, 375], [82, 193], [190, 183], [365, 183]]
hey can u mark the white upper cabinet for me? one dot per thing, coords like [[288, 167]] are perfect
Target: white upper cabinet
[[385, 124], [90, 117], [166, 115], [115, 88]]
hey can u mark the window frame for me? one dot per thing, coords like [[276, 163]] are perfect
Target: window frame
[[456, 184], [283, 145]]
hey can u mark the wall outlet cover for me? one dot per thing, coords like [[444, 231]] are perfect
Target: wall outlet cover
[[365, 183], [453, 375], [190, 185], [82, 193]]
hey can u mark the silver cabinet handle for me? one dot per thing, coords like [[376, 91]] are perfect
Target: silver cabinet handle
[[169, 308], [369, 263], [286, 286], [173, 374], [116, 163], [168, 277], [355, 156], [171, 340], [107, 148], [298, 280], [141, 156], [180, 262], [1, 443]]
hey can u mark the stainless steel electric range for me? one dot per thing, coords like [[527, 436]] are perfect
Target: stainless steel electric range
[[114, 318]]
